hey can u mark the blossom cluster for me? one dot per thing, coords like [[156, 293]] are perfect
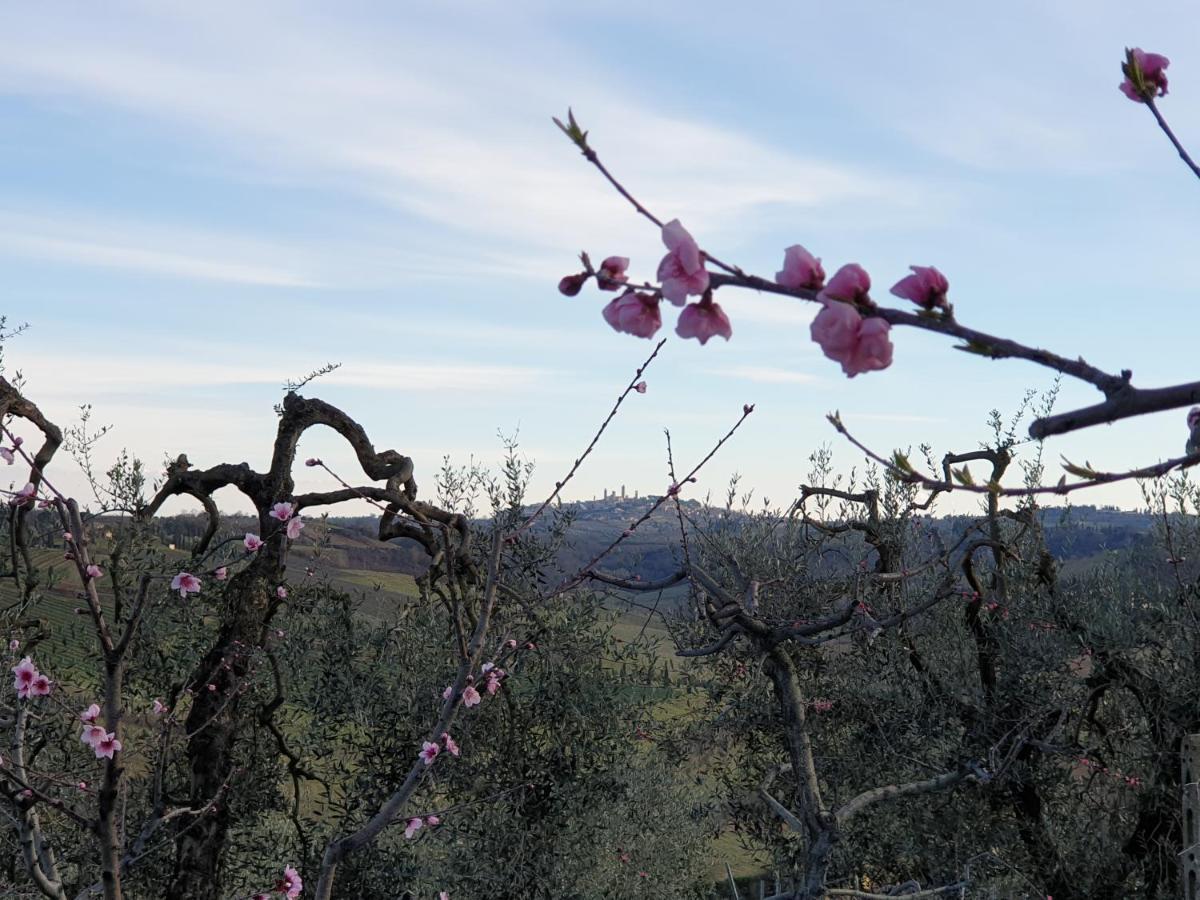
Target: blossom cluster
[[28, 681], [103, 743], [847, 328], [290, 886]]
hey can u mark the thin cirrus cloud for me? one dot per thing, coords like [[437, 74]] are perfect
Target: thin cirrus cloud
[[425, 134], [54, 375], [765, 374], [62, 243]]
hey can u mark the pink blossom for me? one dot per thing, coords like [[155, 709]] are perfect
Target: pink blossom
[[186, 583], [1193, 416], [570, 285], [801, 270], [312, 461], [24, 672], [82, 785], [703, 320], [850, 283], [429, 752], [68, 537], [14, 644], [511, 643], [448, 742], [612, 273], [221, 574], [294, 525], [252, 542], [487, 667], [94, 571], [92, 735], [291, 885], [926, 287], [634, 313], [640, 387], [281, 592], [414, 825], [433, 820], [281, 511], [874, 350], [860, 346], [24, 496], [6, 455], [470, 696], [493, 681], [530, 645], [90, 715], [681, 271], [107, 746], [443, 895], [1152, 69], [448, 692], [159, 707]]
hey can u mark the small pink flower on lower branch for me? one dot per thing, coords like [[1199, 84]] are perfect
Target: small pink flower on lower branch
[[90, 715], [448, 742], [681, 271], [1145, 75], [414, 825], [252, 542], [294, 525], [429, 752], [107, 746], [926, 287], [24, 496], [843, 336], [281, 511], [92, 735], [186, 583], [850, 283], [291, 885], [634, 313], [471, 696], [702, 321], [94, 571], [24, 673], [801, 270], [612, 275]]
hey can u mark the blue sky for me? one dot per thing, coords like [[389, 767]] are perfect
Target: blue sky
[[201, 201]]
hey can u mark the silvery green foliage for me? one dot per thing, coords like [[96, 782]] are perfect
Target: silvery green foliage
[[1072, 694]]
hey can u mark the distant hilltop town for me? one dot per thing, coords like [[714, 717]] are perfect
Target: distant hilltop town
[[612, 495]]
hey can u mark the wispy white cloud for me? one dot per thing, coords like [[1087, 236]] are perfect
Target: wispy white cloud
[[87, 239], [444, 137], [765, 374], [53, 374]]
